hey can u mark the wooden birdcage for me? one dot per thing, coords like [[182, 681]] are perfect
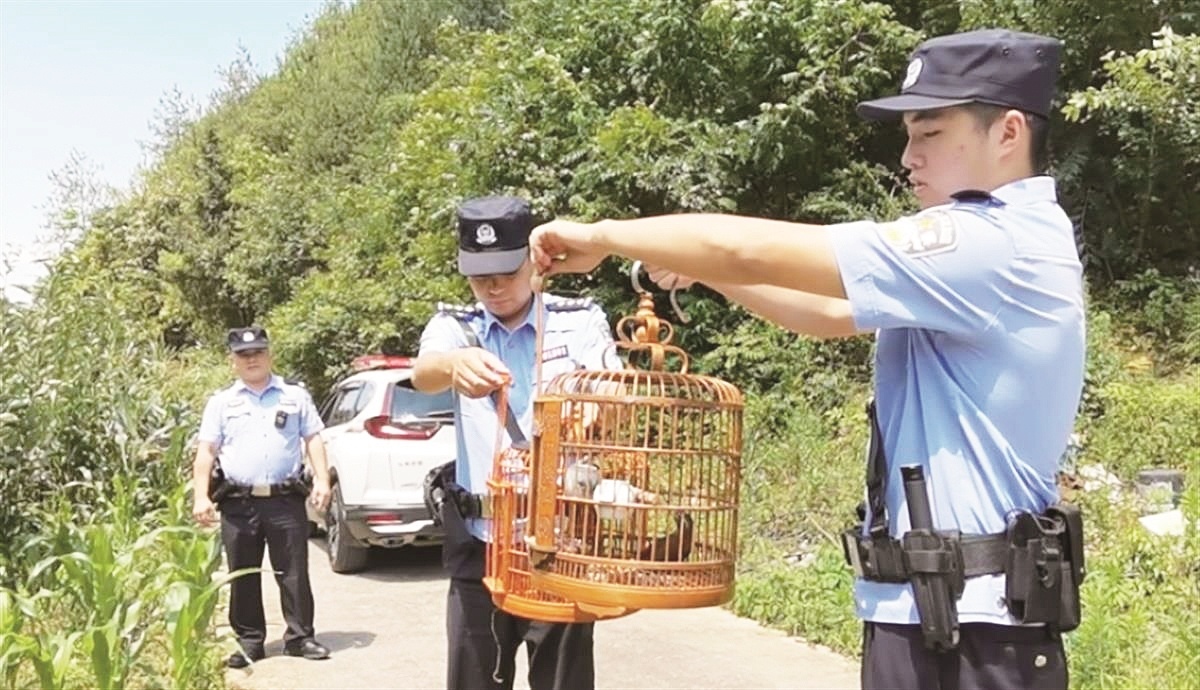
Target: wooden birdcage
[[507, 571], [635, 476]]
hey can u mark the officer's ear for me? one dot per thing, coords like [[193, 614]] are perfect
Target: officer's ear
[[1011, 133]]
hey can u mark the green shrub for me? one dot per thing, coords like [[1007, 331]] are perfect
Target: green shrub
[[1141, 598], [1162, 314], [800, 484], [1146, 422], [104, 582]]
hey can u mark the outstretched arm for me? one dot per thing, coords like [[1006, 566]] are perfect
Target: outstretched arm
[[799, 312], [712, 248]]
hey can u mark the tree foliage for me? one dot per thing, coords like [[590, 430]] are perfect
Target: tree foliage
[[319, 199]]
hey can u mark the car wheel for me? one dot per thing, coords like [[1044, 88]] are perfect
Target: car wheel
[[344, 555]]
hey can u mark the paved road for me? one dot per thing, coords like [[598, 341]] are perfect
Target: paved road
[[386, 628]]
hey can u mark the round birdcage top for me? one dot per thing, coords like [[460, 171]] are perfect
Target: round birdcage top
[[627, 383], [646, 337]]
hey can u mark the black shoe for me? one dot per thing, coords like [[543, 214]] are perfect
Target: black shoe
[[242, 660], [309, 649]]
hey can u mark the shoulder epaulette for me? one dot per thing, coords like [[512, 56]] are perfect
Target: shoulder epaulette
[[975, 195], [295, 382], [571, 304], [459, 311]]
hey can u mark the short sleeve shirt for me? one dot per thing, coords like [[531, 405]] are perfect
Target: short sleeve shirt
[[577, 336], [258, 434], [979, 363]]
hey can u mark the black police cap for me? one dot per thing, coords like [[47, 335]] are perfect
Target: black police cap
[[995, 66], [252, 338], [493, 235]]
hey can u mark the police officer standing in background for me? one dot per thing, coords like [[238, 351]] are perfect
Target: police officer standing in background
[[977, 303], [475, 351], [255, 426]]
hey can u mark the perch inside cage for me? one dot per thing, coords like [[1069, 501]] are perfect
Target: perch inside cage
[[634, 480]]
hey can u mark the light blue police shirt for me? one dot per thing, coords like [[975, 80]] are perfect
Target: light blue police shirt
[[577, 336], [979, 364], [242, 425]]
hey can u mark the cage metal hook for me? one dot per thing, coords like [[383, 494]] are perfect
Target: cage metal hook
[[637, 287]]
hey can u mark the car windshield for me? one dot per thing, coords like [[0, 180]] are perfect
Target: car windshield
[[407, 402]]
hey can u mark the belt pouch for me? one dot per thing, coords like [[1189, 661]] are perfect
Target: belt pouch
[[1039, 584]]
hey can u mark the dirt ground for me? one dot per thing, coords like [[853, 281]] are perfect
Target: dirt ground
[[386, 629]]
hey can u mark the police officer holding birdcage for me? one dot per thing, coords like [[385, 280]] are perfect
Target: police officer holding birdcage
[[968, 567], [256, 427], [474, 351]]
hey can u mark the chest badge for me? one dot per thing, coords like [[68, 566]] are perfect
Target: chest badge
[[554, 353]]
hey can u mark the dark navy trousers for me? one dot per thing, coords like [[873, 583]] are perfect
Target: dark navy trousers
[[279, 524], [988, 657]]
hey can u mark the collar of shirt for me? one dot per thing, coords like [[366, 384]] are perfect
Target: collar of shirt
[[1027, 190], [490, 321], [273, 382]]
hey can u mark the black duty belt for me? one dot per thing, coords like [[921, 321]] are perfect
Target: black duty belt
[[883, 559], [263, 490]]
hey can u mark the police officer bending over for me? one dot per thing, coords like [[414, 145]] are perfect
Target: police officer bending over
[[967, 568], [256, 425], [475, 351]]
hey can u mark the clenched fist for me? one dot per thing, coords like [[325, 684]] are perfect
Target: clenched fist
[[564, 246], [477, 372]]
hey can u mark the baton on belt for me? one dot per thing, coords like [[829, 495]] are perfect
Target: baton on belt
[[934, 563]]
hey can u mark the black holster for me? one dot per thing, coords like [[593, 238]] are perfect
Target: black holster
[[1045, 567], [301, 485], [435, 493], [934, 561], [218, 486]]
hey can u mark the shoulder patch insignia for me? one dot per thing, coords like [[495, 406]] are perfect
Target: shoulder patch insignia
[[922, 235], [459, 311], [573, 304]]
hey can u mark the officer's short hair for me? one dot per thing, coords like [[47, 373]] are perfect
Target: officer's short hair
[[986, 114]]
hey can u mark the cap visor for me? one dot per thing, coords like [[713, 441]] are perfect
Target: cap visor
[[893, 107], [491, 263], [243, 347]]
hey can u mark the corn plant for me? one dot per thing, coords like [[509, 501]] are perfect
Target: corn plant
[[190, 604], [50, 653], [12, 642]]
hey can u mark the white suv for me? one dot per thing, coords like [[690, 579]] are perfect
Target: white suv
[[382, 438]]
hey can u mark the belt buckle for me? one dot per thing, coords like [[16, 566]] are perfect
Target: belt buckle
[[261, 490]]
